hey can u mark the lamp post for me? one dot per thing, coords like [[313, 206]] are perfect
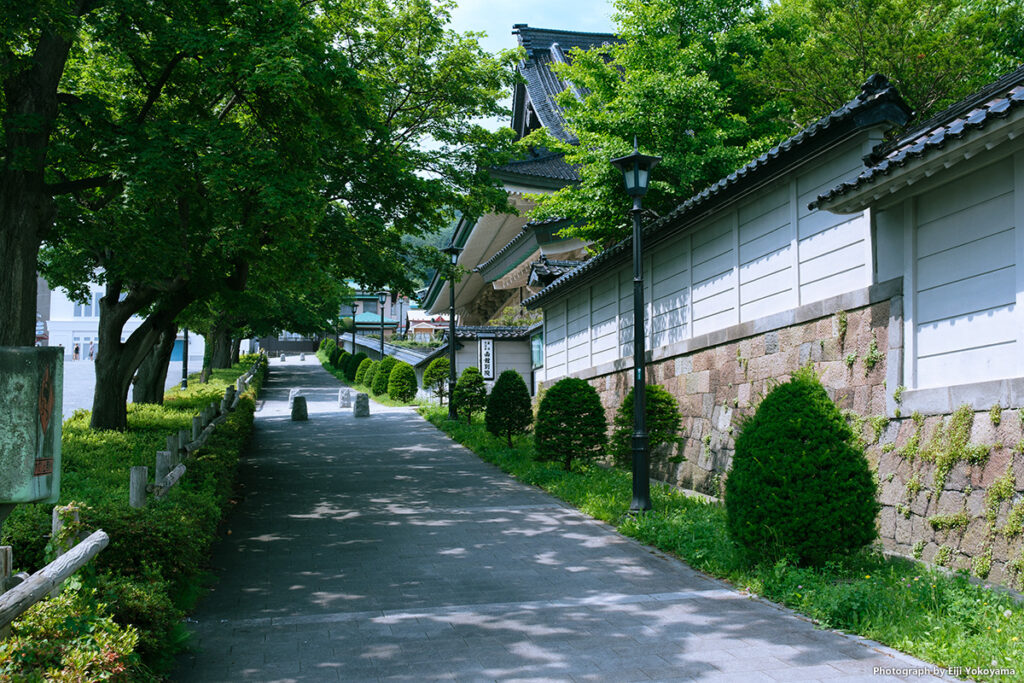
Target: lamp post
[[636, 170], [184, 362], [453, 256], [382, 297]]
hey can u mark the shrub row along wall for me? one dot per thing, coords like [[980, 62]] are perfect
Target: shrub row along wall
[[951, 486]]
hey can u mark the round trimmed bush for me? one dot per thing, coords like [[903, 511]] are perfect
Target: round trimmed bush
[[342, 360], [380, 380], [364, 365], [799, 486], [435, 377], [353, 366], [371, 373], [570, 423], [663, 420], [508, 407], [402, 383], [333, 356], [470, 393]]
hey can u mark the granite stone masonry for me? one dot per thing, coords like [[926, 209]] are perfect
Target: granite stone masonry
[[951, 484]]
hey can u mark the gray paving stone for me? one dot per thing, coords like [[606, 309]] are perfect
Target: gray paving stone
[[376, 549]]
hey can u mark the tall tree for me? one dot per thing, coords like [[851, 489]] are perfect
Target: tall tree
[[672, 83], [935, 52]]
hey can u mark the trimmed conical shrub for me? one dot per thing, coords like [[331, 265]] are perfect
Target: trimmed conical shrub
[[402, 383], [435, 377], [371, 373], [342, 360], [663, 420], [364, 365], [352, 365], [470, 393], [570, 423], [508, 407], [380, 380], [799, 486]]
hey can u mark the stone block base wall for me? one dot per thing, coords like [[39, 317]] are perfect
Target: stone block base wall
[[951, 486]]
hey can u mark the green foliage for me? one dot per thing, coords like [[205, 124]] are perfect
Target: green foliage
[[663, 420], [435, 377], [1001, 490], [364, 366], [935, 52], [153, 567], [327, 345], [516, 316], [509, 410], [873, 357], [340, 359], [354, 363], [371, 373], [951, 445], [934, 615], [71, 637], [383, 375], [995, 414], [571, 424], [402, 383], [799, 487], [470, 395], [947, 522]]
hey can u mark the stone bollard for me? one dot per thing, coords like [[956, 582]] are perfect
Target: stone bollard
[[344, 398], [362, 406], [302, 357], [299, 412], [282, 356], [292, 393]]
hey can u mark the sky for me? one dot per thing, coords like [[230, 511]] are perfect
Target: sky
[[496, 17]]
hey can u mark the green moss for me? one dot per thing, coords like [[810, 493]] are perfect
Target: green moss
[[878, 424], [996, 414], [841, 326], [850, 359], [913, 487], [1016, 567], [918, 550], [1002, 489], [911, 449], [873, 357], [982, 564], [1015, 522], [898, 394], [948, 522], [944, 556], [951, 445]]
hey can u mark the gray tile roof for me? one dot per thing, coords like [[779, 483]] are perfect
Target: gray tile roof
[[877, 102], [543, 48], [545, 271], [524, 234], [496, 332], [540, 163], [959, 121]]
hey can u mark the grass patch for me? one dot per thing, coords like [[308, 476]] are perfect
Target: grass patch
[[942, 618]]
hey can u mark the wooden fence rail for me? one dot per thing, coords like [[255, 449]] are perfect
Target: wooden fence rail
[[168, 467], [46, 580]]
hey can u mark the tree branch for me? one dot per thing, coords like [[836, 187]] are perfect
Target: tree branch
[[72, 186], [154, 92]]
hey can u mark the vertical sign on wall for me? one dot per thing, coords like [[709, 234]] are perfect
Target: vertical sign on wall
[[487, 358]]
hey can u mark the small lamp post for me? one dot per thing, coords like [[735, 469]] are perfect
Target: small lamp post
[[382, 297], [636, 170], [453, 256], [184, 362]]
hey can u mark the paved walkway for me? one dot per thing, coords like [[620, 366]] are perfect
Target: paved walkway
[[377, 549]]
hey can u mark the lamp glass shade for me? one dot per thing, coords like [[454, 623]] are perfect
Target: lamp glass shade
[[636, 172], [382, 298]]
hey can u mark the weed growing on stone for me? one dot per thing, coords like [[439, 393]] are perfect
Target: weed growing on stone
[[873, 357]]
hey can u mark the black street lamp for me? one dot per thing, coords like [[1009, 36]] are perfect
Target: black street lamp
[[453, 256], [636, 170], [184, 362], [382, 297]]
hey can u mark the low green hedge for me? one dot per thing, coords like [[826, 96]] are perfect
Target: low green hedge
[[139, 588]]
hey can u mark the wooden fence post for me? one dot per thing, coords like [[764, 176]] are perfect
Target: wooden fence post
[[163, 465], [137, 486], [197, 427]]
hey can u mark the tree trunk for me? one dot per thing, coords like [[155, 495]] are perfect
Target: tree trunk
[[236, 350], [117, 361], [152, 374], [26, 204], [220, 357]]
